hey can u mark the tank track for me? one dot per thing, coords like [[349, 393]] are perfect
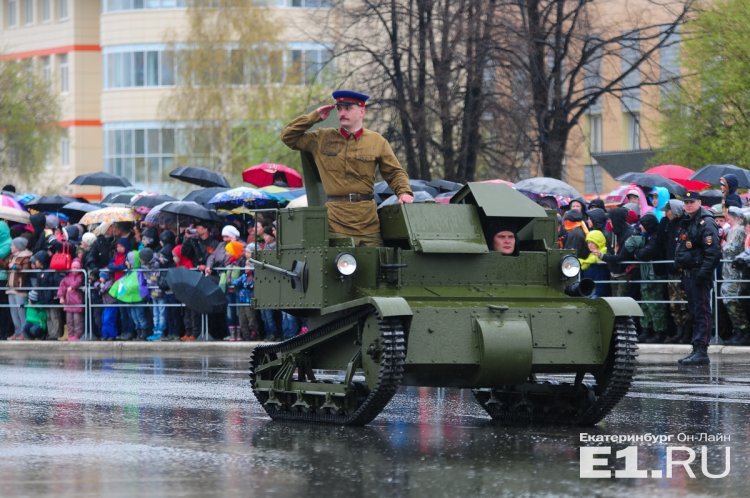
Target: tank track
[[547, 403], [370, 402]]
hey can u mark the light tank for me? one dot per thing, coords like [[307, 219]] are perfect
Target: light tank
[[436, 307]]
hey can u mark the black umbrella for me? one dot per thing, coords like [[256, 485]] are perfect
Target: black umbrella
[[713, 173], [190, 209], [121, 196], [651, 180], [52, 202], [711, 197], [199, 176], [196, 291], [101, 179], [203, 195], [77, 209], [150, 201]]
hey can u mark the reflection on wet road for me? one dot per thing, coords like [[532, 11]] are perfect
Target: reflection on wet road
[[181, 425]]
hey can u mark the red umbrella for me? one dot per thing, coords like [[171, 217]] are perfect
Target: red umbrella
[[261, 175], [678, 174]]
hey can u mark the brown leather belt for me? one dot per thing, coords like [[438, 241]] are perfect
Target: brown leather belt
[[350, 198]]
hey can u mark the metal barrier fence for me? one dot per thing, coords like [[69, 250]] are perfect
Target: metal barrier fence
[[89, 306]]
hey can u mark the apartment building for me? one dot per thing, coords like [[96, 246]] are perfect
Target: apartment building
[[111, 63]]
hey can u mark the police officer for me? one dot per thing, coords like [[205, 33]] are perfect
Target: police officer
[[696, 256]]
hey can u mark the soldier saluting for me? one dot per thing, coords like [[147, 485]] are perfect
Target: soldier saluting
[[698, 251], [347, 159]]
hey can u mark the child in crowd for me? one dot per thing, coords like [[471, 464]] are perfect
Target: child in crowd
[[36, 317], [47, 284], [18, 280], [190, 320], [244, 287], [592, 266], [137, 312], [71, 295], [150, 262], [109, 313], [234, 250]]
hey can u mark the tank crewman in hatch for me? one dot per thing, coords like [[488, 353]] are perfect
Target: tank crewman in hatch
[[502, 237], [696, 256], [346, 159]]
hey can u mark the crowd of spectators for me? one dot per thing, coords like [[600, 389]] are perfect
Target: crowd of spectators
[[629, 253], [127, 291]]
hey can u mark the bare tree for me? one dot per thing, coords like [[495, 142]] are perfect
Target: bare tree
[[233, 89], [491, 86]]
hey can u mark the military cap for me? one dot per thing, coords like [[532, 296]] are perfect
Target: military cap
[[691, 196], [350, 97]]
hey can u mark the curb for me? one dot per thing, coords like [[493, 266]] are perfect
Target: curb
[[247, 346]]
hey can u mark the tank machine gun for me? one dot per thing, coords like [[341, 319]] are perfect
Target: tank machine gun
[[435, 307]]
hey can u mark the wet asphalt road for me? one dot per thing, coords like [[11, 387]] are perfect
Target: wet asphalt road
[[88, 424]]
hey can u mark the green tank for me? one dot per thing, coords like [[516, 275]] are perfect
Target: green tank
[[435, 307]]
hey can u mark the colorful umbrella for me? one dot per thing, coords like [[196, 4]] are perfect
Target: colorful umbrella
[[244, 196], [679, 174], [9, 201], [12, 214], [262, 175], [284, 193], [111, 214]]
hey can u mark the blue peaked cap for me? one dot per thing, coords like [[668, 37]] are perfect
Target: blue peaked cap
[[350, 96]]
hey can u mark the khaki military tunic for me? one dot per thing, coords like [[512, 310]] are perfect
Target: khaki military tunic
[[347, 166]]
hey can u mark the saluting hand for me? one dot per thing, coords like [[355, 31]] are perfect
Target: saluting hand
[[325, 111]]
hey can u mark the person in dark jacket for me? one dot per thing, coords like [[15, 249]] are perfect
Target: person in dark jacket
[[617, 252], [47, 285], [645, 247], [667, 234], [729, 184], [574, 233], [696, 257]]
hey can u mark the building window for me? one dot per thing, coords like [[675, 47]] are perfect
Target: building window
[[46, 10], [633, 120], [143, 154], [595, 132], [139, 68], [64, 83], [62, 9], [117, 5], [592, 178], [65, 151], [28, 11], [12, 13], [46, 66]]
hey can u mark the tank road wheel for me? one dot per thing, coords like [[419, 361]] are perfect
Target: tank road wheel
[[296, 380], [569, 403]]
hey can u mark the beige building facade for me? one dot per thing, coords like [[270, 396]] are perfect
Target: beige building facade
[[111, 64]]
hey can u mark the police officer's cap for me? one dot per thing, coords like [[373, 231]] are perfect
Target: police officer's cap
[[350, 97], [691, 196]]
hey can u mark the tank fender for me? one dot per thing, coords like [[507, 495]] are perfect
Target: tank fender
[[385, 306], [623, 306]]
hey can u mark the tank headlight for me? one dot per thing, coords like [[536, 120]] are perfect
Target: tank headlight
[[346, 264], [570, 266]]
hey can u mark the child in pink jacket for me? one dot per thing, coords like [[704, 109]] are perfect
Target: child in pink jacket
[[70, 293]]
